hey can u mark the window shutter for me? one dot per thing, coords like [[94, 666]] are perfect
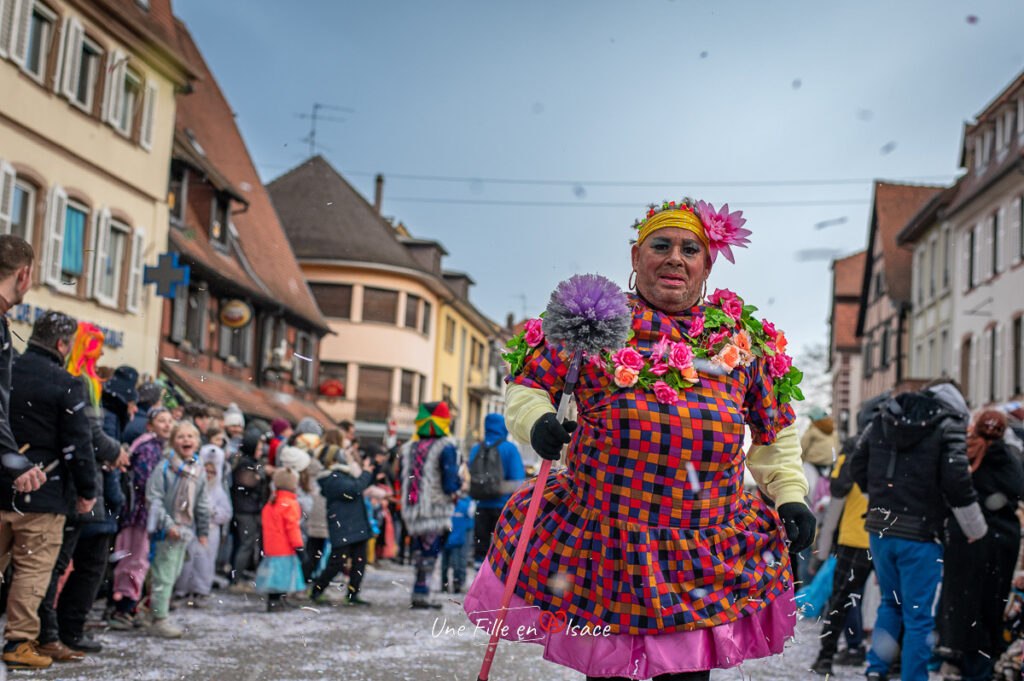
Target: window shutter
[[20, 21], [72, 57], [204, 307], [108, 80], [61, 39], [224, 342], [56, 216], [247, 341], [6, 194], [6, 20], [133, 299], [92, 260], [1013, 217], [100, 257], [973, 375], [965, 259], [179, 310], [148, 115], [998, 231], [116, 80]]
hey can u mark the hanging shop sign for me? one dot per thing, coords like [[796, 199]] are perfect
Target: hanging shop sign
[[235, 314], [332, 387]]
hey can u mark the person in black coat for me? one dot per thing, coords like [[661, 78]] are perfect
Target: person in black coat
[[248, 494], [48, 416], [977, 575], [347, 523], [912, 464]]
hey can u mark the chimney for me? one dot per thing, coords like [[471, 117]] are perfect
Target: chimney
[[510, 321], [378, 193]]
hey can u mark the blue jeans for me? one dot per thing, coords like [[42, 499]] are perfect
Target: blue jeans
[[909, 573], [453, 558]]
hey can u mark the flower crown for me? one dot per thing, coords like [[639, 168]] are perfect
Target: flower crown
[[718, 230]]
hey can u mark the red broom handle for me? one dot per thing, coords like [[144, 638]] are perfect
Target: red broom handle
[[527, 531]]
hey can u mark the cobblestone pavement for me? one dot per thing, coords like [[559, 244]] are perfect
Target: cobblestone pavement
[[235, 639]]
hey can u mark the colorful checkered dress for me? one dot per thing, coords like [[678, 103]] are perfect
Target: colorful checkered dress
[[648, 530]]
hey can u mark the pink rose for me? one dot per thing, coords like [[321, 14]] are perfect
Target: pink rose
[[629, 357], [680, 356], [660, 348], [534, 332], [659, 367], [717, 337], [778, 365], [769, 329], [733, 308], [625, 377], [721, 295], [665, 393], [696, 326]]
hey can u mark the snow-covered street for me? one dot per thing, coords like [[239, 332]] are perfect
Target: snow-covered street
[[235, 639]]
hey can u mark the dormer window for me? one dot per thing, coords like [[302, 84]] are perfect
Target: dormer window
[[220, 219]]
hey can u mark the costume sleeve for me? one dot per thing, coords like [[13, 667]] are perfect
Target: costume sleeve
[[777, 467], [544, 368], [523, 406], [765, 416]]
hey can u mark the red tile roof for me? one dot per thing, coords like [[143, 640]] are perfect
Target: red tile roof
[[894, 205], [207, 114], [221, 391], [847, 275]]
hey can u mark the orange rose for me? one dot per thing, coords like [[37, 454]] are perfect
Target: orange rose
[[742, 341], [625, 377], [689, 374], [780, 342], [728, 357]]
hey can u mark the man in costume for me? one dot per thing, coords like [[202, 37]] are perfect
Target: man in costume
[[649, 559], [430, 479]]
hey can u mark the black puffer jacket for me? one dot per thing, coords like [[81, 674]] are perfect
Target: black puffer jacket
[[48, 413], [347, 521], [912, 463]]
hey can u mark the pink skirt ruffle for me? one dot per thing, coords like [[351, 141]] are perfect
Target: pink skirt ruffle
[[634, 656]]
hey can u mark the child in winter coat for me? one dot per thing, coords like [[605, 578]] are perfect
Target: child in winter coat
[[132, 543], [280, 572], [178, 511], [453, 555], [196, 580]]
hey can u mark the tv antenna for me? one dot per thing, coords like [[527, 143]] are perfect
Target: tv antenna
[[317, 116]]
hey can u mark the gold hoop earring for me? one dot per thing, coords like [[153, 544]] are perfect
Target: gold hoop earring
[[632, 281]]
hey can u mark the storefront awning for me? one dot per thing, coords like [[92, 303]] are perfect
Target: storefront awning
[[220, 391]]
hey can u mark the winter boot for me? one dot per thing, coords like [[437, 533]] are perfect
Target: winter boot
[[24, 655], [822, 665], [422, 602], [850, 657], [164, 629]]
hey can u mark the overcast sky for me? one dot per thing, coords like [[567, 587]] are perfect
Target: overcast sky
[[590, 96]]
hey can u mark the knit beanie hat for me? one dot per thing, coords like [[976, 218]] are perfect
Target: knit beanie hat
[[293, 458], [279, 426], [233, 416], [286, 479], [250, 441], [309, 426]]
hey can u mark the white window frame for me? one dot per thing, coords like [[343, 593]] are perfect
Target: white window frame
[[7, 183], [126, 117], [89, 215], [30, 212], [56, 216], [72, 81], [30, 8], [302, 371], [148, 125], [5, 29], [103, 241], [116, 67], [135, 290]]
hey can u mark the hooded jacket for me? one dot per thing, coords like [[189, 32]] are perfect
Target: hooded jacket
[[820, 444], [912, 462], [495, 431]]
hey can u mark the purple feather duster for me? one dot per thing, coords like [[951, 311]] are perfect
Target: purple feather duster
[[587, 313]]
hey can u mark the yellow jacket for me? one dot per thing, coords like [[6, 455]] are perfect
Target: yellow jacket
[[851, 525]]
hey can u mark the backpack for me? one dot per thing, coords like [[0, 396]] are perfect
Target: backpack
[[486, 473]]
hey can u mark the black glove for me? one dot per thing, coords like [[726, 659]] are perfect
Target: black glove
[[799, 524], [548, 436]]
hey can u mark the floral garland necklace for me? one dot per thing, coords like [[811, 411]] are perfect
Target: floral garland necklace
[[726, 335]]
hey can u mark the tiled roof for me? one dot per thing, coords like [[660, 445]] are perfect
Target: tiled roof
[[848, 274], [926, 216], [156, 26], [894, 205], [207, 114], [844, 325], [325, 217], [221, 391]]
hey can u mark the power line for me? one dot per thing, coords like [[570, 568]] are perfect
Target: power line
[[582, 204], [644, 183]]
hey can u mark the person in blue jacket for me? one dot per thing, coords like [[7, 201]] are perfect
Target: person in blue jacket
[[453, 557], [488, 510]]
